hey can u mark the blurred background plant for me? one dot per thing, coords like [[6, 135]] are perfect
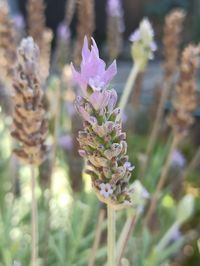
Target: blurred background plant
[[71, 222]]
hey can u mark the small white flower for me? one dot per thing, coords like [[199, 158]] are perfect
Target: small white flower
[[144, 33], [146, 29], [106, 190]]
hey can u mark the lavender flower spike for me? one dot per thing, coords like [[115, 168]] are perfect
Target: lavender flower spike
[[93, 75], [143, 44], [102, 142]]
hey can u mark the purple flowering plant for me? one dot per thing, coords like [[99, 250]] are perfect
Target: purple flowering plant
[[143, 44], [102, 142]]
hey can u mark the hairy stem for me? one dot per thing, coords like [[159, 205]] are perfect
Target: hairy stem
[[129, 86], [111, 236], [34, 220], [97, 238], [162, 180]]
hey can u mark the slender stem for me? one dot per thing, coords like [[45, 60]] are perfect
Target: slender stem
[[137, 91], [111, 236], [156, 126], [162, 180], [97, 238], [129, 86], [53, 163], [166, 238], [193, 164], [34, 220], [124, 237]]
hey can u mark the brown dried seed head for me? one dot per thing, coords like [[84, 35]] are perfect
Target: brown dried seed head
[[36, 20], [114, 37], [7, 44], [171, 39], [86, 25], [46, 53], [30, 126], [70, 10], [184, 102]]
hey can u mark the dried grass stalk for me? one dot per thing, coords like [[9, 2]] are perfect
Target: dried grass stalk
[[171, 40], [7, 45], [46, 53], [114, 37], [70, 10], [184, 102], [29, 123], [86, 25], [36, 20], [181, 118]]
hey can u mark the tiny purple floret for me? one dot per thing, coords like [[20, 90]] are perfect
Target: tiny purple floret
[[106, 190]]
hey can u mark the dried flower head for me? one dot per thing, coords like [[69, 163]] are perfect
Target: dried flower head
[[45, 54], [184, 102], [29, 123], [171, 39], [7, 45], [115, 27], [143, 45], [102, 141], [36, 20], [86, 25], [114, 8], [70, 10]]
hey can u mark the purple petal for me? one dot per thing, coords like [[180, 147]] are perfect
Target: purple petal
[[110, 72], [83, 113], [94, 47], [78, 78], [82, 153], [102, 186], [91, 67], [96, 99], [135, 36], [112, 100], [85, 50], [153, 46]]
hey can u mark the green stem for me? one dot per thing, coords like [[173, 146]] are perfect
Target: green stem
[[125, 236], [34, 220], [157, 122], [129, 86], [111, 236], [162, 180], [166, 238], [97, 238]]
